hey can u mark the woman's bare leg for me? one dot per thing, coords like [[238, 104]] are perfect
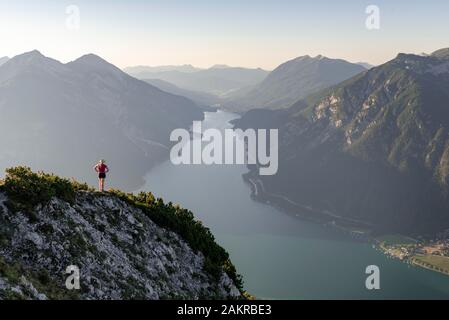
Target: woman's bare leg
[[100, 185]]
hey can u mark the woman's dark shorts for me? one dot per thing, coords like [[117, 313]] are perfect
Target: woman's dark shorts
[[102, 175]]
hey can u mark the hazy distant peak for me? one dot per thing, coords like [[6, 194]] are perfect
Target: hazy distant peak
[[92, 62], [30, 57], [33, 53], [220, 66], [301, 58], [309, 58], [28, 61], [90, 57], [183, 68], [442, 53], [366, 65]]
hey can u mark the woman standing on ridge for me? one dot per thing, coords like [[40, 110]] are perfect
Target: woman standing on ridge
[[102, 169]]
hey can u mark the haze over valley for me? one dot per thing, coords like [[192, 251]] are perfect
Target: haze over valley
[[63, 117]]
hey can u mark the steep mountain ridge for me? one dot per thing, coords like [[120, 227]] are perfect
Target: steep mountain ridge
[[140, 70], [62, 117], [374, 148]]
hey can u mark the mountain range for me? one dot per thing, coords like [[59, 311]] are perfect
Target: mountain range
[[291, 81], [64, 117], [372, 150], [217, 80]]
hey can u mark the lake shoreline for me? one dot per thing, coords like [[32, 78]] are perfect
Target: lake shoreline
[[291, 255], [304, 212], [324, 218]]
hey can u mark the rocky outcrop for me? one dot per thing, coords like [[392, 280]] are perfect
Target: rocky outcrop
[[120, 252]]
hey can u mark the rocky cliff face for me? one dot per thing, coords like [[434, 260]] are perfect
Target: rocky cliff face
[[120, 252]]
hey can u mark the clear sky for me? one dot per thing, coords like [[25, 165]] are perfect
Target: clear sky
[[250, 33]]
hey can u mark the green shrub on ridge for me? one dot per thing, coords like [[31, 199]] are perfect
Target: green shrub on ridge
[[26, 189]]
